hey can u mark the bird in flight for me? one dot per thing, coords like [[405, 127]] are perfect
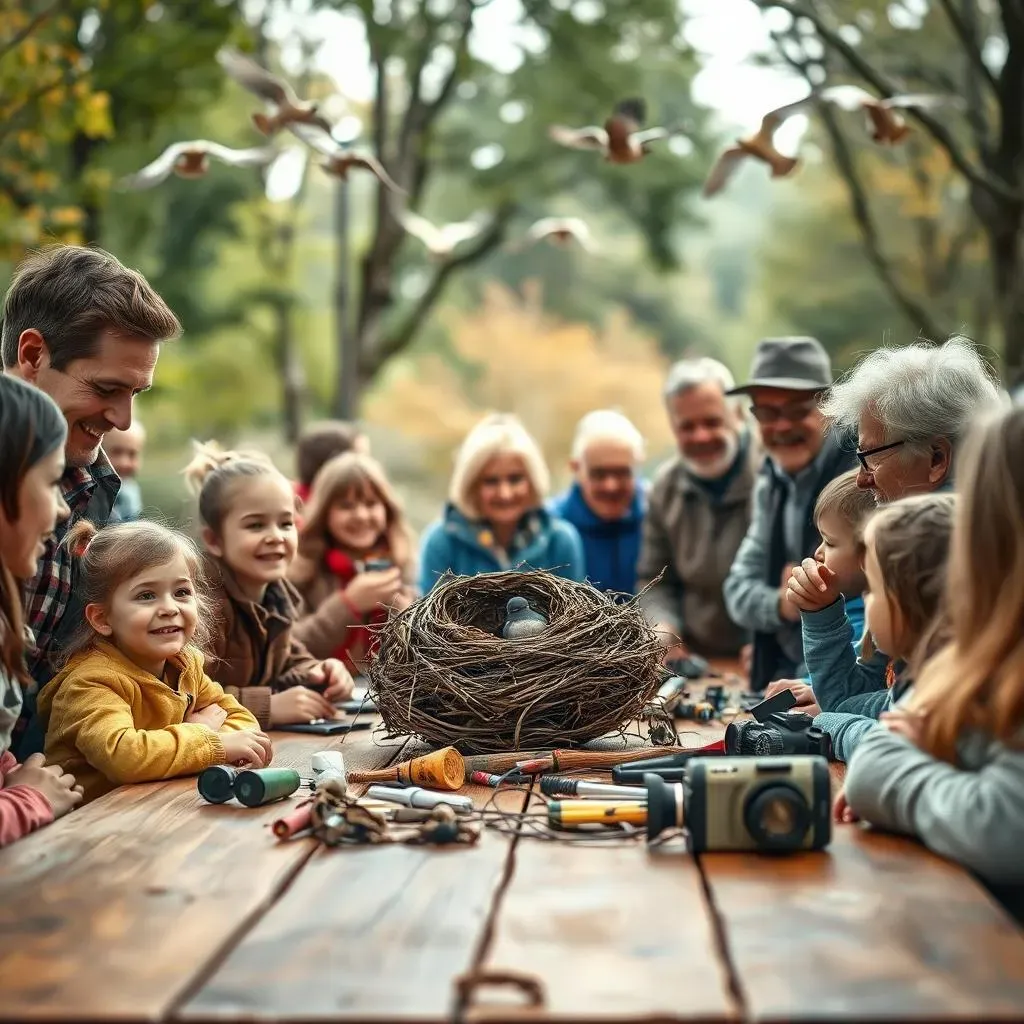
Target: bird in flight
[[285, 108], [561, 231], [339, 160], [622, 140], [192, 160], [442, 240], [886, 128]]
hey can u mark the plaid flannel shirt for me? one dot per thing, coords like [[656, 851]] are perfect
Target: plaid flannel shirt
[[46, 595]]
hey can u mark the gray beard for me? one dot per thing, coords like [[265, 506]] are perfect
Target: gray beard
[[717, 469]]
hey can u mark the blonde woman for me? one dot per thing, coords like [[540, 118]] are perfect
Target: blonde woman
[[495, 518]]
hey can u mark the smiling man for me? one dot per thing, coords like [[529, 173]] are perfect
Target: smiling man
[[786, 381], [605, 502], [698, 512], [85, 329]]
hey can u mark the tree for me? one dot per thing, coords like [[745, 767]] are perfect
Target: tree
[[448, 125], [965, 48]]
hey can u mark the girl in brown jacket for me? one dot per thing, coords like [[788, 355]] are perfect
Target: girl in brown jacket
[[247, 510], [355, 558]]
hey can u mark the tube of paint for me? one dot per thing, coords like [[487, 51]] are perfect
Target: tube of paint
[[414, 796], [216, 785], [554, 785], [259, 786]]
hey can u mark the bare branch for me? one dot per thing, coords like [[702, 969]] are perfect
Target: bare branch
[[835, 42], [968, 37], [19, 37], [371, 360]]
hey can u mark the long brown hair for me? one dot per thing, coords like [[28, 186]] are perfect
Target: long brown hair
[[977, 680], [115, 554], [32, 427], [351, 473]]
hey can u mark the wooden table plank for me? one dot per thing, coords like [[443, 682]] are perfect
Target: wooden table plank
[[874, 927], [113, 911], [364, 933]]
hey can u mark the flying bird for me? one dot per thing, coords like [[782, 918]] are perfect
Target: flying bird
[[561, 231], [339, 160], [441, 240], [192, 160], [622, 140], [286, 109], [887, 128]]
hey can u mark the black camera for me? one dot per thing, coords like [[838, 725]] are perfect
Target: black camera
[[774, 731]]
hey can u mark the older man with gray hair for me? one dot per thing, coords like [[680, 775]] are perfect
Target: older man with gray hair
[[698, 511], [910, 407]]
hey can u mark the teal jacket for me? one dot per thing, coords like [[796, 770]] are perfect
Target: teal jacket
[[457, 544]]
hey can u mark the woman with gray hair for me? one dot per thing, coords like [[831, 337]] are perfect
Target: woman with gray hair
[[910, 407]]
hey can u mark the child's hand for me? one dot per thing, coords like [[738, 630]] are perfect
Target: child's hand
[[299, 704], [335, 678], [803, 693], [903, 723], [842, 812], [246, 749], [57, 786], [812, 586], [213, 716], [369, 589]]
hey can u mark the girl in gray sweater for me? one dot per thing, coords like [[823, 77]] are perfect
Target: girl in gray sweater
[[947, 763]]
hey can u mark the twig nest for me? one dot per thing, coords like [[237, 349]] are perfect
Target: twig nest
[[444, 673]]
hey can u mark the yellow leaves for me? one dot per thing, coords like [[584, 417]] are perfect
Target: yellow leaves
[[93, 117], [30, 53], [522, 360], [66, 217]]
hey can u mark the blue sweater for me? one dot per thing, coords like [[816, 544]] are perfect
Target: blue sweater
[[611, 548], [457, 544], [851, 693]]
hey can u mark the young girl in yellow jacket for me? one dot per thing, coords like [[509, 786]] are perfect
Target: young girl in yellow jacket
[[133, 703]]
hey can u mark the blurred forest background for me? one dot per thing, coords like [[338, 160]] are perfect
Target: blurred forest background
[[863, 245]]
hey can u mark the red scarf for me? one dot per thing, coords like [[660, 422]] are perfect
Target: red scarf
[[344, 569]]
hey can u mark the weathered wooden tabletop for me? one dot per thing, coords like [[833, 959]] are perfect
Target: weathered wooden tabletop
[[151, 905]]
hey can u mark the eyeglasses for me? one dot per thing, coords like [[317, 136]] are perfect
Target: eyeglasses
[[610, 474], [863, 455], [792, 413]]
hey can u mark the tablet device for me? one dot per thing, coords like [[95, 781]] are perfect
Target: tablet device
[[332, 728], [356, 706]]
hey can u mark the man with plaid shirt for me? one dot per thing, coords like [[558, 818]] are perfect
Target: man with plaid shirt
[[86, 330]]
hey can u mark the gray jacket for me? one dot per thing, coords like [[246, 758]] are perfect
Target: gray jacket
[[694, 538], [971, 812]]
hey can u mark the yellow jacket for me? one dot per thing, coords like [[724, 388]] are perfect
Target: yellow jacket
[[109, 722]]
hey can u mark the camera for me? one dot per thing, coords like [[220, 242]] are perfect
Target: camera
[[772, 804], [377, 564], [774, 731]]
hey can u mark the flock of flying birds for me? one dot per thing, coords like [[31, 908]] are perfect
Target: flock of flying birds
[[622, 139]]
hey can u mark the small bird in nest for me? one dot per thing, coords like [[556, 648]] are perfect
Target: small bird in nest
[[192, 160], [286, 109], [339, 160], [886, 127], [561, 231], [442, 240], [622, 140], [521, 620]]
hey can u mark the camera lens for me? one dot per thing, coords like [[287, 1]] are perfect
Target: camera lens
[[777, 816]]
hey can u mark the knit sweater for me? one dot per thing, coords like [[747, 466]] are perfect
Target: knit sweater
[[109, 722], [971, 812]]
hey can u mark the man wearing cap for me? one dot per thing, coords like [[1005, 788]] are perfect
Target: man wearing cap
[[786, 380]]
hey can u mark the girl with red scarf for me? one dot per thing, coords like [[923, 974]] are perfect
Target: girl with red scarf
[[355, 558]]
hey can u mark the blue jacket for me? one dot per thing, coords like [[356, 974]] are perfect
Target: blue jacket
[[611, 548], [851, 693], [457, 544]]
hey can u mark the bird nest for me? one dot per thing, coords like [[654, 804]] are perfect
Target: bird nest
[[444, 673]]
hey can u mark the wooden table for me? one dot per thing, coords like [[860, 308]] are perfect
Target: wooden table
[[152, 905]]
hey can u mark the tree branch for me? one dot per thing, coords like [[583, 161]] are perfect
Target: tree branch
[[19, 37], [371, 360], [965, 30], [976, 175]]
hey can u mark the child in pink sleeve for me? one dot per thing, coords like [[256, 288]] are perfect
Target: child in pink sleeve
[[31, 464]]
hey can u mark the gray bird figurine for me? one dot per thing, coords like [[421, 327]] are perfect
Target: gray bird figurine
[[521, 620]]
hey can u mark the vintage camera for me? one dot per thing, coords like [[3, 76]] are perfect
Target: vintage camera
[[773, 731], [770, 804]]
